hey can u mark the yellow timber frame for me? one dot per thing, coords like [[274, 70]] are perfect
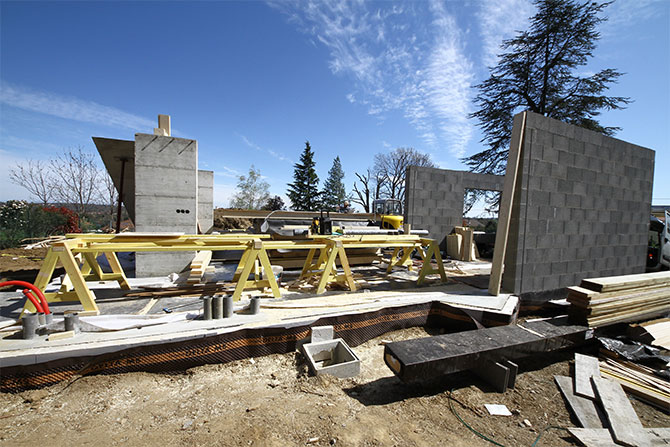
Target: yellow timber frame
[[78, 255]]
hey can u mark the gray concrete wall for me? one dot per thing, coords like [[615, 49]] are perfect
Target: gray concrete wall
[[434, 197], [581, 208], [206, 200], [166, 197]]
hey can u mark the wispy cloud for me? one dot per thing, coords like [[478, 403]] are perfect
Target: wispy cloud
[[273, 153], [71, 108], [622, 14], [225, 171], [396, 62], [499, 20]]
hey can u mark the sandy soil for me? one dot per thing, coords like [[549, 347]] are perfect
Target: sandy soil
[[272, 401]]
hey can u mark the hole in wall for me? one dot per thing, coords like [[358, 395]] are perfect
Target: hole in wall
[[480, 211]]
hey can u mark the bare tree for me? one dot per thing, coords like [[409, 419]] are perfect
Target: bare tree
[[363, 194], [391, 167], [36, 178], [77, 178]]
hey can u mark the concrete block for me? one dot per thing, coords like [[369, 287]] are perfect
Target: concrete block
[[321, 333], [495, 374], [332, 357]]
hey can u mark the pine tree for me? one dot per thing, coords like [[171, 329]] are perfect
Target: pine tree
[[304, 191], [537, 72], [334, 193]]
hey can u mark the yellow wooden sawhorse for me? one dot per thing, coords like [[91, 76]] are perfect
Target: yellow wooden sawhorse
[[77, 272], [78, 255], [325, 265]]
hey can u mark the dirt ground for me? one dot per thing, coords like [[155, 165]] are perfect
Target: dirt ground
[[21, 264], [272, 401]]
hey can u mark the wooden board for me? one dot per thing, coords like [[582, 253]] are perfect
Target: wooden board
[[612, 283], [585, 368], [443, 354], [625, 426], [588, 415], [505, 213], [601, 437]]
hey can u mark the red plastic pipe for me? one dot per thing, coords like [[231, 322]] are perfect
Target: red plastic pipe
[[44, 306], [29, 295]]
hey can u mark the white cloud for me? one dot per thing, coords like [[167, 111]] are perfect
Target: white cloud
[[273, 153], [499, 20], [70, 108], [396, 62], [225, 171]]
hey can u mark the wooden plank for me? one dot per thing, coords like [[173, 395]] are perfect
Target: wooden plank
[[585, 410], [448, 353], [585, 368], [624, 282], [625, 426], [505, 213], [601, 437]]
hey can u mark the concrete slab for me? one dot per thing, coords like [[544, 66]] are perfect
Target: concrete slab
[[112, 153]]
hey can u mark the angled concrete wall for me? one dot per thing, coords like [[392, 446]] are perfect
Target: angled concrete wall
[[581, 208], [434, 197], [166, 197], [206, 200]]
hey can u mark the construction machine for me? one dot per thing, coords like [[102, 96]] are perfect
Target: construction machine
[[388, 214]]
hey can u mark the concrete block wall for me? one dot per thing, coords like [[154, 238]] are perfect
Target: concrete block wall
[[206, 200], [434, 198], [166, 197], [581, 208]]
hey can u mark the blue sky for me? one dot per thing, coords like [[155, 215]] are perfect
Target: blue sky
[[251, 81]]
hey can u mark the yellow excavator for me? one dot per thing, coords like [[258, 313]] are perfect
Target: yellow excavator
[[388, 213], [387, 216]]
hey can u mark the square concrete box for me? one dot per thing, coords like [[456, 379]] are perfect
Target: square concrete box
[[332, 357]]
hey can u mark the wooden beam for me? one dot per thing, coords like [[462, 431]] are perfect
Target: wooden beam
[[585, 410], [601, 437], [625, 426], [448, 353], [505, 213], [585, 368]]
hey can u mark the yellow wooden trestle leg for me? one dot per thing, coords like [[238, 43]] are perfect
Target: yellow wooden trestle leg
[[251, 256], [427, 269]]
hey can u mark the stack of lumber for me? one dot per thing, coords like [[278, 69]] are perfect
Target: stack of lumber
[[638, 380], [199, 266], [618, 299], [291, 259], [655, 332], [603, 410], [461, 245]]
